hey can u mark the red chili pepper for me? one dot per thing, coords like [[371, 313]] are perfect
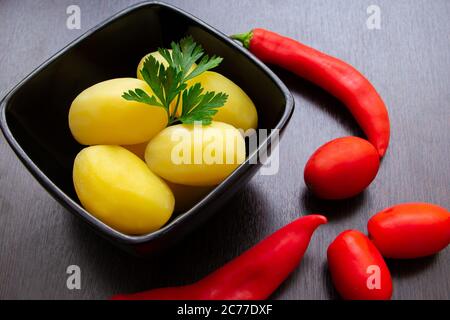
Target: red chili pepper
[[254, 275], [410, 230], [335, 76], [357, 268]]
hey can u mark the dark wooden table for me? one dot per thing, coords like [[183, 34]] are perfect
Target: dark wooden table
[[408, 60]]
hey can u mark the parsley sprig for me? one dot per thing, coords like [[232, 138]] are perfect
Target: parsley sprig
[[170, 83]]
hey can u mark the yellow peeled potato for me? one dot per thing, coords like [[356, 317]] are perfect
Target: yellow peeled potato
[[100, 115], [239, 110], [196, 155], [119, 189]]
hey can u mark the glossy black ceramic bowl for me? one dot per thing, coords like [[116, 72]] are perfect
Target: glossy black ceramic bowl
[[34, 115]]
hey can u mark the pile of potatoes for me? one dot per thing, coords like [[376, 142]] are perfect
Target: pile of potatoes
[[126, 176]]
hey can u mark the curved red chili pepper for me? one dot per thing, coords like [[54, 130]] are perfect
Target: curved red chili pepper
[[410, 230], [335, 76], [254, 275]]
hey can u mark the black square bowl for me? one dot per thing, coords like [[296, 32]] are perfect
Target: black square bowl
[[34, 115]]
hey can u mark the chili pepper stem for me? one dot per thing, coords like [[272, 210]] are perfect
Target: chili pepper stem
[[243, 37]]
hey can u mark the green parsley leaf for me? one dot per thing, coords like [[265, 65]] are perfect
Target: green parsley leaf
[[140, 95], [169, 83], [152, 74], [198, 107], [185, 54], [204, 65]]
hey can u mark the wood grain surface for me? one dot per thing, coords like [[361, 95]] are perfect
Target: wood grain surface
[[408, 61]]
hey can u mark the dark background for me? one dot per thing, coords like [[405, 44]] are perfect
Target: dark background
[[408, 61]]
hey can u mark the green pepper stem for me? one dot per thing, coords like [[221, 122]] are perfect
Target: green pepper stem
[[245, 38]]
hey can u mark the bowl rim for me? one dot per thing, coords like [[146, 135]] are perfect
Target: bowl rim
[[72, 205]]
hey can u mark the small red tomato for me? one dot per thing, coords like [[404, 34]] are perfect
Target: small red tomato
[[410, 230], [341, 168], [357, 268]]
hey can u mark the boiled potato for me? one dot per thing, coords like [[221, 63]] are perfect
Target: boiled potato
[[99, 115], [118, 188], [239, 110], [196, 155]]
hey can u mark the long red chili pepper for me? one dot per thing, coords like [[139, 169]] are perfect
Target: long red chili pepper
[[335, 76], [254, 275]]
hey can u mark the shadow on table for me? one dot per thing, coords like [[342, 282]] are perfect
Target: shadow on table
[[406, 268], [331, 291], [334, 210], [321, 281], [223, 237]]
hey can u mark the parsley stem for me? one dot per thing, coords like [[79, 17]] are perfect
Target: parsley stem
[[174, 113]]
